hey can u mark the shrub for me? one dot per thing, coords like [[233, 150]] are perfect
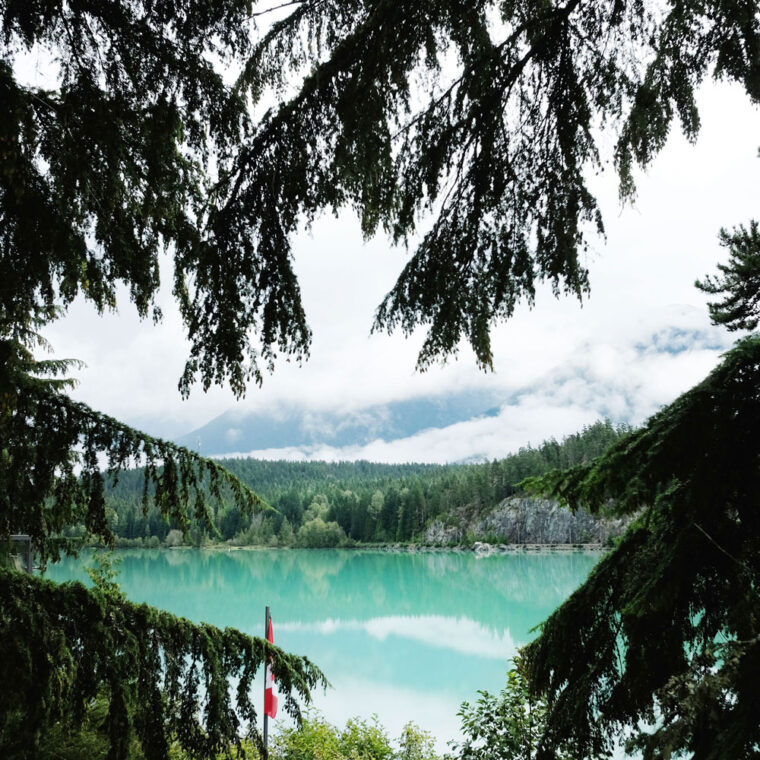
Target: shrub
[[317, 534], [174, 538], [359, 740], [507, 726]]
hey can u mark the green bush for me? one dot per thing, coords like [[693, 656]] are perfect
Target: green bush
[[129, 543], [318, 534], [416, 744], [507, 726], [87, 741], [174, 538], [317, 739]]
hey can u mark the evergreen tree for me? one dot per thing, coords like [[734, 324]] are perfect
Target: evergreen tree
[[102, 168], [62, 647], [740, 309], [670, 621], [286, 535], [663, 639]]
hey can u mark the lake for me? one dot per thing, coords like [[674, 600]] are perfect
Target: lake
[[403, 636]]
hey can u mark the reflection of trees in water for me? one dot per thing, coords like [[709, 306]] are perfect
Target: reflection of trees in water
[[545, 573], [313, 585], [421, 606]]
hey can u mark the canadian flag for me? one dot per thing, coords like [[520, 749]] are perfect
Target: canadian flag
[[270, 698]]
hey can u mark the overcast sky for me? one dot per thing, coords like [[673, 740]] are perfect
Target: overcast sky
[[641, 338]]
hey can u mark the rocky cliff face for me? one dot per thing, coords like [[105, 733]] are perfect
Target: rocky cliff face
[[439, 534], [525, 520]]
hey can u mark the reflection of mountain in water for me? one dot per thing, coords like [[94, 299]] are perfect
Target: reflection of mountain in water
[[313, 586]]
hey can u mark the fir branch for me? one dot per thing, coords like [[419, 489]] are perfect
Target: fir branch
[[166, 680]]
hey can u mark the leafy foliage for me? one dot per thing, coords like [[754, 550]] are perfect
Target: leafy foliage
[[359, 740], [88, 739], [318, 534], [662, 637], [507, 726]]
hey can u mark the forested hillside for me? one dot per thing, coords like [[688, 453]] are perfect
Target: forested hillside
[[328, 504]]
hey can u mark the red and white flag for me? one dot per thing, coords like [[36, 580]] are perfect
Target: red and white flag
[[270, 698]]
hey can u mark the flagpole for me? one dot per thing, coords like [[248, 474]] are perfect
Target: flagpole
[[266, 660]]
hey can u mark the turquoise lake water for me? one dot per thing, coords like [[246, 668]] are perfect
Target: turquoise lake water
[[402, 636]]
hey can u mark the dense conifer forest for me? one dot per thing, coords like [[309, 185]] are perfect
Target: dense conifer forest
[[329, 504]]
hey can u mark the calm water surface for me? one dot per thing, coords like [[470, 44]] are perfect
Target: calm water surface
[[403, 636]]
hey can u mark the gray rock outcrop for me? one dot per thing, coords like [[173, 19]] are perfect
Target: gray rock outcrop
[[528, 520], [439, 534]]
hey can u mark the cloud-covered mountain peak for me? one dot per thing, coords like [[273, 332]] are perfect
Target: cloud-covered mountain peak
[[287, 426]]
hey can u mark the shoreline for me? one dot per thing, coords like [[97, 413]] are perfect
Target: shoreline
[[479, 548]]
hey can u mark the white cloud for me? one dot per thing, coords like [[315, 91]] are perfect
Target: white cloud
[[626, 381], [461, 635]]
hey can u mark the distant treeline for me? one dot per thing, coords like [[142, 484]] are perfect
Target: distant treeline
[[330, 504]]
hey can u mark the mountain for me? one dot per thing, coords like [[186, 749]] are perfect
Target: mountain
[[292, 426]]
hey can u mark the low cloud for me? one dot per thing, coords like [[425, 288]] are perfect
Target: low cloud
[[625, 383]]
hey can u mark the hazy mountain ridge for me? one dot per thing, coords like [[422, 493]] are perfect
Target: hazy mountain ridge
[[283, 427]]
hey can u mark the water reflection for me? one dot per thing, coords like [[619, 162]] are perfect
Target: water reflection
[[461, 635], [405, 636]]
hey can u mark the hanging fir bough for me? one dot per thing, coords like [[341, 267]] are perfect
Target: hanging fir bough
[[167, 681], [482, 117], [164, 679], [58, 456], [663, 639]]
